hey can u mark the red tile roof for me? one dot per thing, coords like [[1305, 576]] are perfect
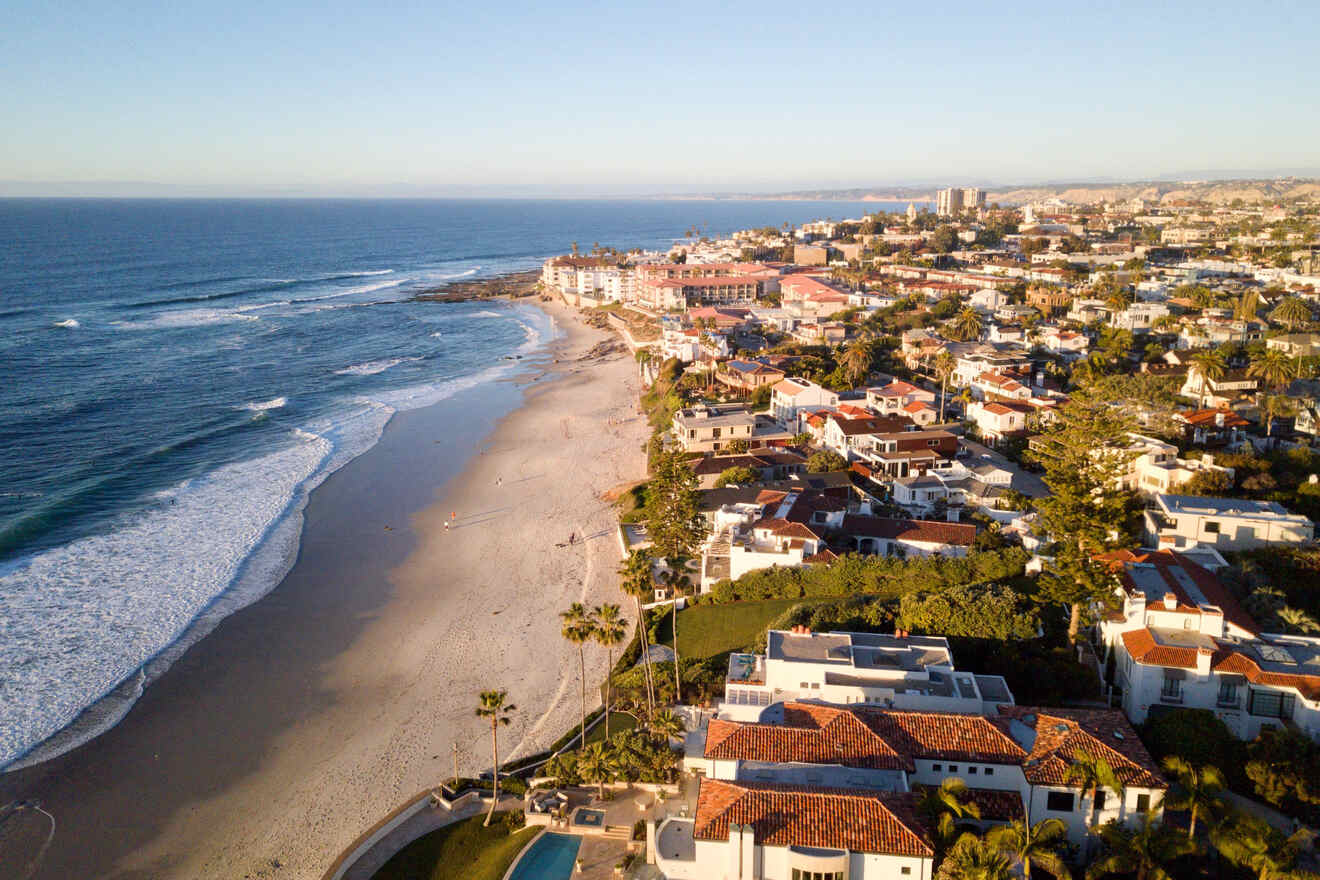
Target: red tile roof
[[781, 815], [1097, 733], [1210, 586], [921, 530], [1228, 660], [810, 734], [1143, 647]]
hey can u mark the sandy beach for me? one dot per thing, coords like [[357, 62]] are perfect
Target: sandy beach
[[306, 717]]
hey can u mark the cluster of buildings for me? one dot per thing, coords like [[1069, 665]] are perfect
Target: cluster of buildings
[[813, 762]]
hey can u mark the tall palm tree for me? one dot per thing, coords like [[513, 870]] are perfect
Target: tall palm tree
[[967, 325], [944, 366], [1197, 791], [1291, 312], [973, 858], [492, 706], [594, 765], [943, 806], [638, 583], [1142, 852], [578, 627], [611, 629], [1209, 365], [1248, 841], [856, 360], [1271, 406], [1094, 775], [1027, 843], [1272, 367], [1247, 306], [675, 581], [1298, 621]]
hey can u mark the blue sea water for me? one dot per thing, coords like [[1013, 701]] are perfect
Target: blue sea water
[[176, 376]]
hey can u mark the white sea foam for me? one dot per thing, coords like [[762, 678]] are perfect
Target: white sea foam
[[185, 318], [70, 323], [206, 549], [87, 616], [371, 368], [263, 405]]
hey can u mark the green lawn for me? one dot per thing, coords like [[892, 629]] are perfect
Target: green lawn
[[708, 630], [462, 851], [618, 721]]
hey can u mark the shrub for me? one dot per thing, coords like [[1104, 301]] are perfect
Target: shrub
[[825, 461], [990, 612], [1199, 738], [740, 476]]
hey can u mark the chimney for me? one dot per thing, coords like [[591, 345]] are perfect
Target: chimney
[[1219, 419], [1170, 601]]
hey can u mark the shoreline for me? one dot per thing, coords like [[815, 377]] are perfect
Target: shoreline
[[261, 570], [295, 724]]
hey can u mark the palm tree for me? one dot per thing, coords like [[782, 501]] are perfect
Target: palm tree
[[667, 723], [594, 765], [1247, 306], [611, 629], [675, 581], [578, 627], [1140, 851], [943, 806], [1272, 367], [492, 706], [638, 583], [944, 366], [1094, 775], [1298, 621], [1197, 791], [1248, 841], [1040, 843], [1210, 367], [967, 324], [1291, 312], [1116, 343], [1272, 405], [856, 360], [973, 858]]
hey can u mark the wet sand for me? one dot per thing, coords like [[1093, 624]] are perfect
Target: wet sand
[[304, 718]]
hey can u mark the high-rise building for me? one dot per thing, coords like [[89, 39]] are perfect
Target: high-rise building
[[949, 201], [911, 212], [954, 200]]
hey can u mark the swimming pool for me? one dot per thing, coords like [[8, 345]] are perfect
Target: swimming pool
[[551, 857]]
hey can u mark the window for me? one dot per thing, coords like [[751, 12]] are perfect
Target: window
[[1059, 802], [1271, 704], [936, 768], [1100, 799], [1172, 690], [953, 768], [1228, 695], [905, 870], [1143, 803], [989, 771], [934, 441], [1211, 527], [971, 771], [715, 432]]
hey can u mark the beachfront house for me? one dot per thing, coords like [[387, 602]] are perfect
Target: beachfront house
[[1180, 640], [792, 396]]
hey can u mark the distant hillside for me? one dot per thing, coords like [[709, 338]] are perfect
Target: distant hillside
[[1218, 192]]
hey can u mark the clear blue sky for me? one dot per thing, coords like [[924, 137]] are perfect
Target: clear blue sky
[[425, 97]]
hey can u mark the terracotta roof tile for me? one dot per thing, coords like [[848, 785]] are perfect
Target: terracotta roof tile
[[1143, 648], [810, 734], [1232, 661], [781, 815], [1098, 733]]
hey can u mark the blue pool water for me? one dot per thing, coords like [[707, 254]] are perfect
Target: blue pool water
[[551, 857]]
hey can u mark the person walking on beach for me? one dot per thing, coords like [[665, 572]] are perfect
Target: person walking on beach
[[446, 527]]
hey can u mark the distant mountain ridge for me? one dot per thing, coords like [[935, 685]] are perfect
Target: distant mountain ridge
[[1219, 192]]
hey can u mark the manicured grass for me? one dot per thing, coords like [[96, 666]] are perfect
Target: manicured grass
[[462, 851], [618, 721], [708, 630]]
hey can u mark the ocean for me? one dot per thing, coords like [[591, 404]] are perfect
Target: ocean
[[176, 376]]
